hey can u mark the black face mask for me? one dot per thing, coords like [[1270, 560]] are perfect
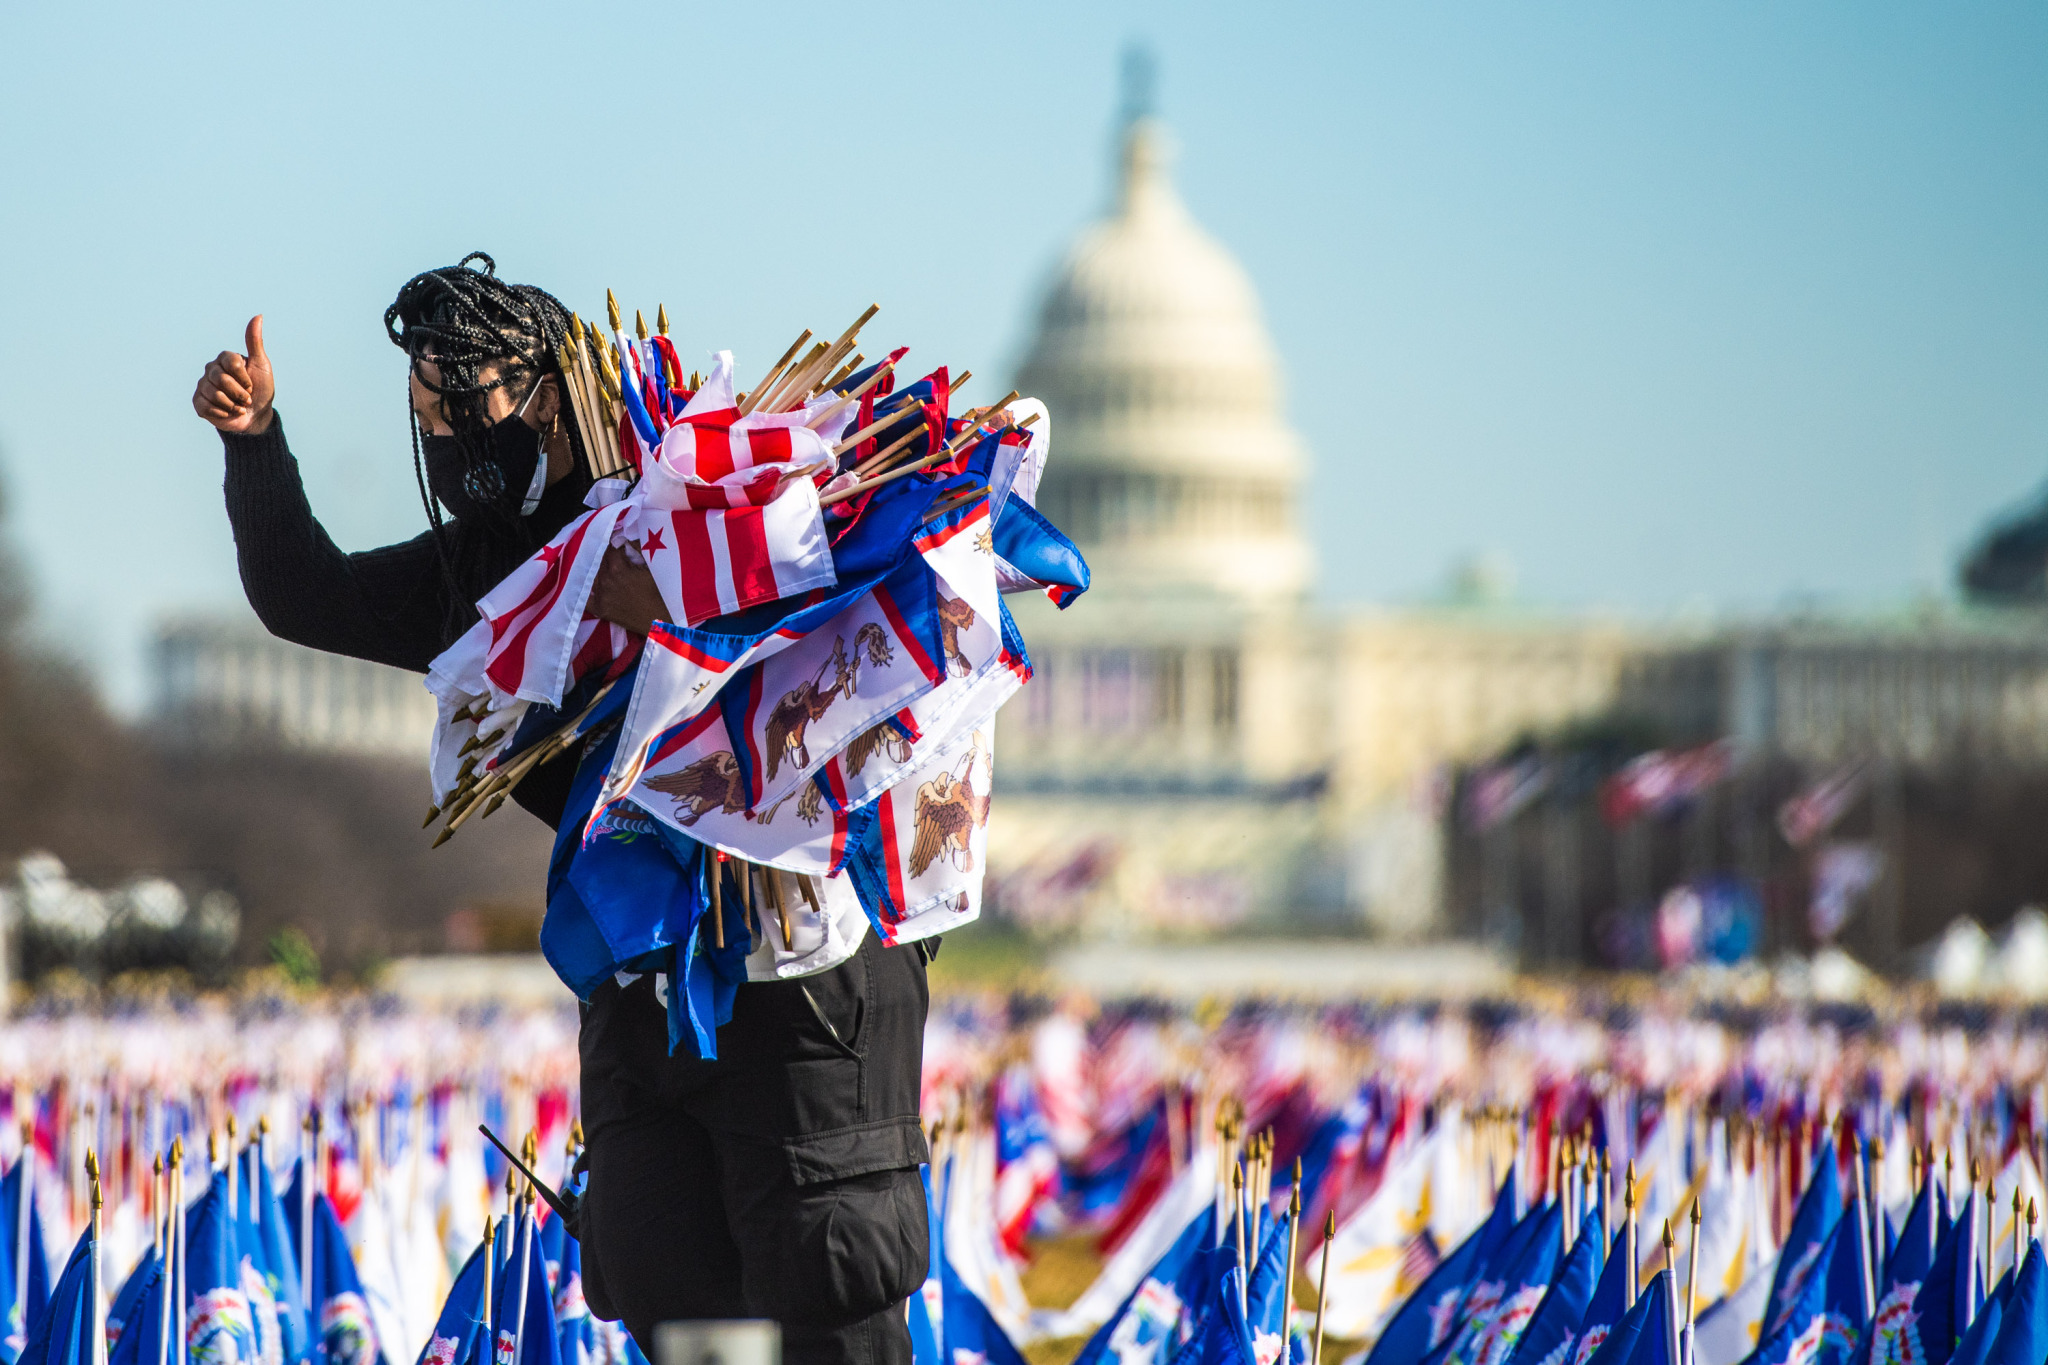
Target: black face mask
[[481, 479]]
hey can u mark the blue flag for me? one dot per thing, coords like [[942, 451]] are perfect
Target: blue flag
[[64, 1330], [1803, 1322], [927, 1304], [970, 1333], [525, 1312], [1271, 1275], [459, 1337], [1948, 1296], [1609, 1303], [1555, 1324], [1149, 1324], [344, 1334], [2023, 1332], [1912, 1256], [1522, 1285], [1845, 1300], [21, 1317], [575, 1329], [1644, 1333], [1222, 1336], [1806, 1241], [136, 1324], [267, 1238], [219, 1324], [1475, 1308], [1974, 1348], [1425, 1321]]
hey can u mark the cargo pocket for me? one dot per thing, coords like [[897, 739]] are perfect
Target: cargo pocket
[[835, 1231]]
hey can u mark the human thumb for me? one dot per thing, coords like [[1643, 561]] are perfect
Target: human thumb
[[252, 340]]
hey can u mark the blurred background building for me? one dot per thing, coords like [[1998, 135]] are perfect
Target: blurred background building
[[227, 682]]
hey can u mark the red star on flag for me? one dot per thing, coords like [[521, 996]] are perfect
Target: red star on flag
[[652, 543], [550, 555]]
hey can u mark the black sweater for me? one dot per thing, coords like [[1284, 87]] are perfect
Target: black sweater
[[389, 606]]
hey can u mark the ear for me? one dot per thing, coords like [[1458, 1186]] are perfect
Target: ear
[[547, 401]]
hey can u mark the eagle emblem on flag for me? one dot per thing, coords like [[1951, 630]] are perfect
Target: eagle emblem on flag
[[949, 810], [791, 719]]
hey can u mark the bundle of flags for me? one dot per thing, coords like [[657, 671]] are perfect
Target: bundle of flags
[[802, 751]]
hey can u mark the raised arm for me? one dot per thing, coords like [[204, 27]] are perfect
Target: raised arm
[[389, 605]]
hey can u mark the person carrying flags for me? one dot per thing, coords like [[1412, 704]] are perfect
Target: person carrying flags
[[777, 1178]]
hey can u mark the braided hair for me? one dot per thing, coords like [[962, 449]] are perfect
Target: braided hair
[[482, 334]]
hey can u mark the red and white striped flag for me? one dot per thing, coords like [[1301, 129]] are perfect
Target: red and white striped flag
[[727, 513], [536, 613]]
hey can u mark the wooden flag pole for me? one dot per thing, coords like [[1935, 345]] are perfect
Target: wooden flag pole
[[1606, 1205], [1323, 1286], [793, 379], [718, 897], [99, 1308], [2016, 1206], [1671, 1315], [1863, 1248], [162, 1183], [885, 420], [1628, 1236], [1237, 1204], [817, 423], [178, 1243], [1293, 1243], [1692, 1268], [752, 397], [490, 1238], [939, 456]]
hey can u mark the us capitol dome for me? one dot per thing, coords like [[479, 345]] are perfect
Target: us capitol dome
[[1174, 470]]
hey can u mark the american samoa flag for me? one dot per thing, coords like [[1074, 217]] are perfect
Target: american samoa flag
[[788, 714], [921, 849], [726, 513], [682, 670]]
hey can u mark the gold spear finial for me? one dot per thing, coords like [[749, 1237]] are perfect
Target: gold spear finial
[[639, 325], [92, 1164], [661, 318], [611, 308], [1668, 1242]]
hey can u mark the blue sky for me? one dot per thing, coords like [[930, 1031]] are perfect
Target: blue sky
[[1729, 306]]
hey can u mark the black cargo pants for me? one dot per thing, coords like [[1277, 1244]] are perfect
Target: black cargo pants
[[779, 1181]]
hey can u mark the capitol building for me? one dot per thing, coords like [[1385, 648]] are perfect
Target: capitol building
[[1203, 747], [1206, 747]]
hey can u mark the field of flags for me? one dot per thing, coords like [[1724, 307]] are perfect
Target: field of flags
[[1561, 1182]]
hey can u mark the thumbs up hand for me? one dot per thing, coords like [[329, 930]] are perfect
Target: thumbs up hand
[[235, 392]]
